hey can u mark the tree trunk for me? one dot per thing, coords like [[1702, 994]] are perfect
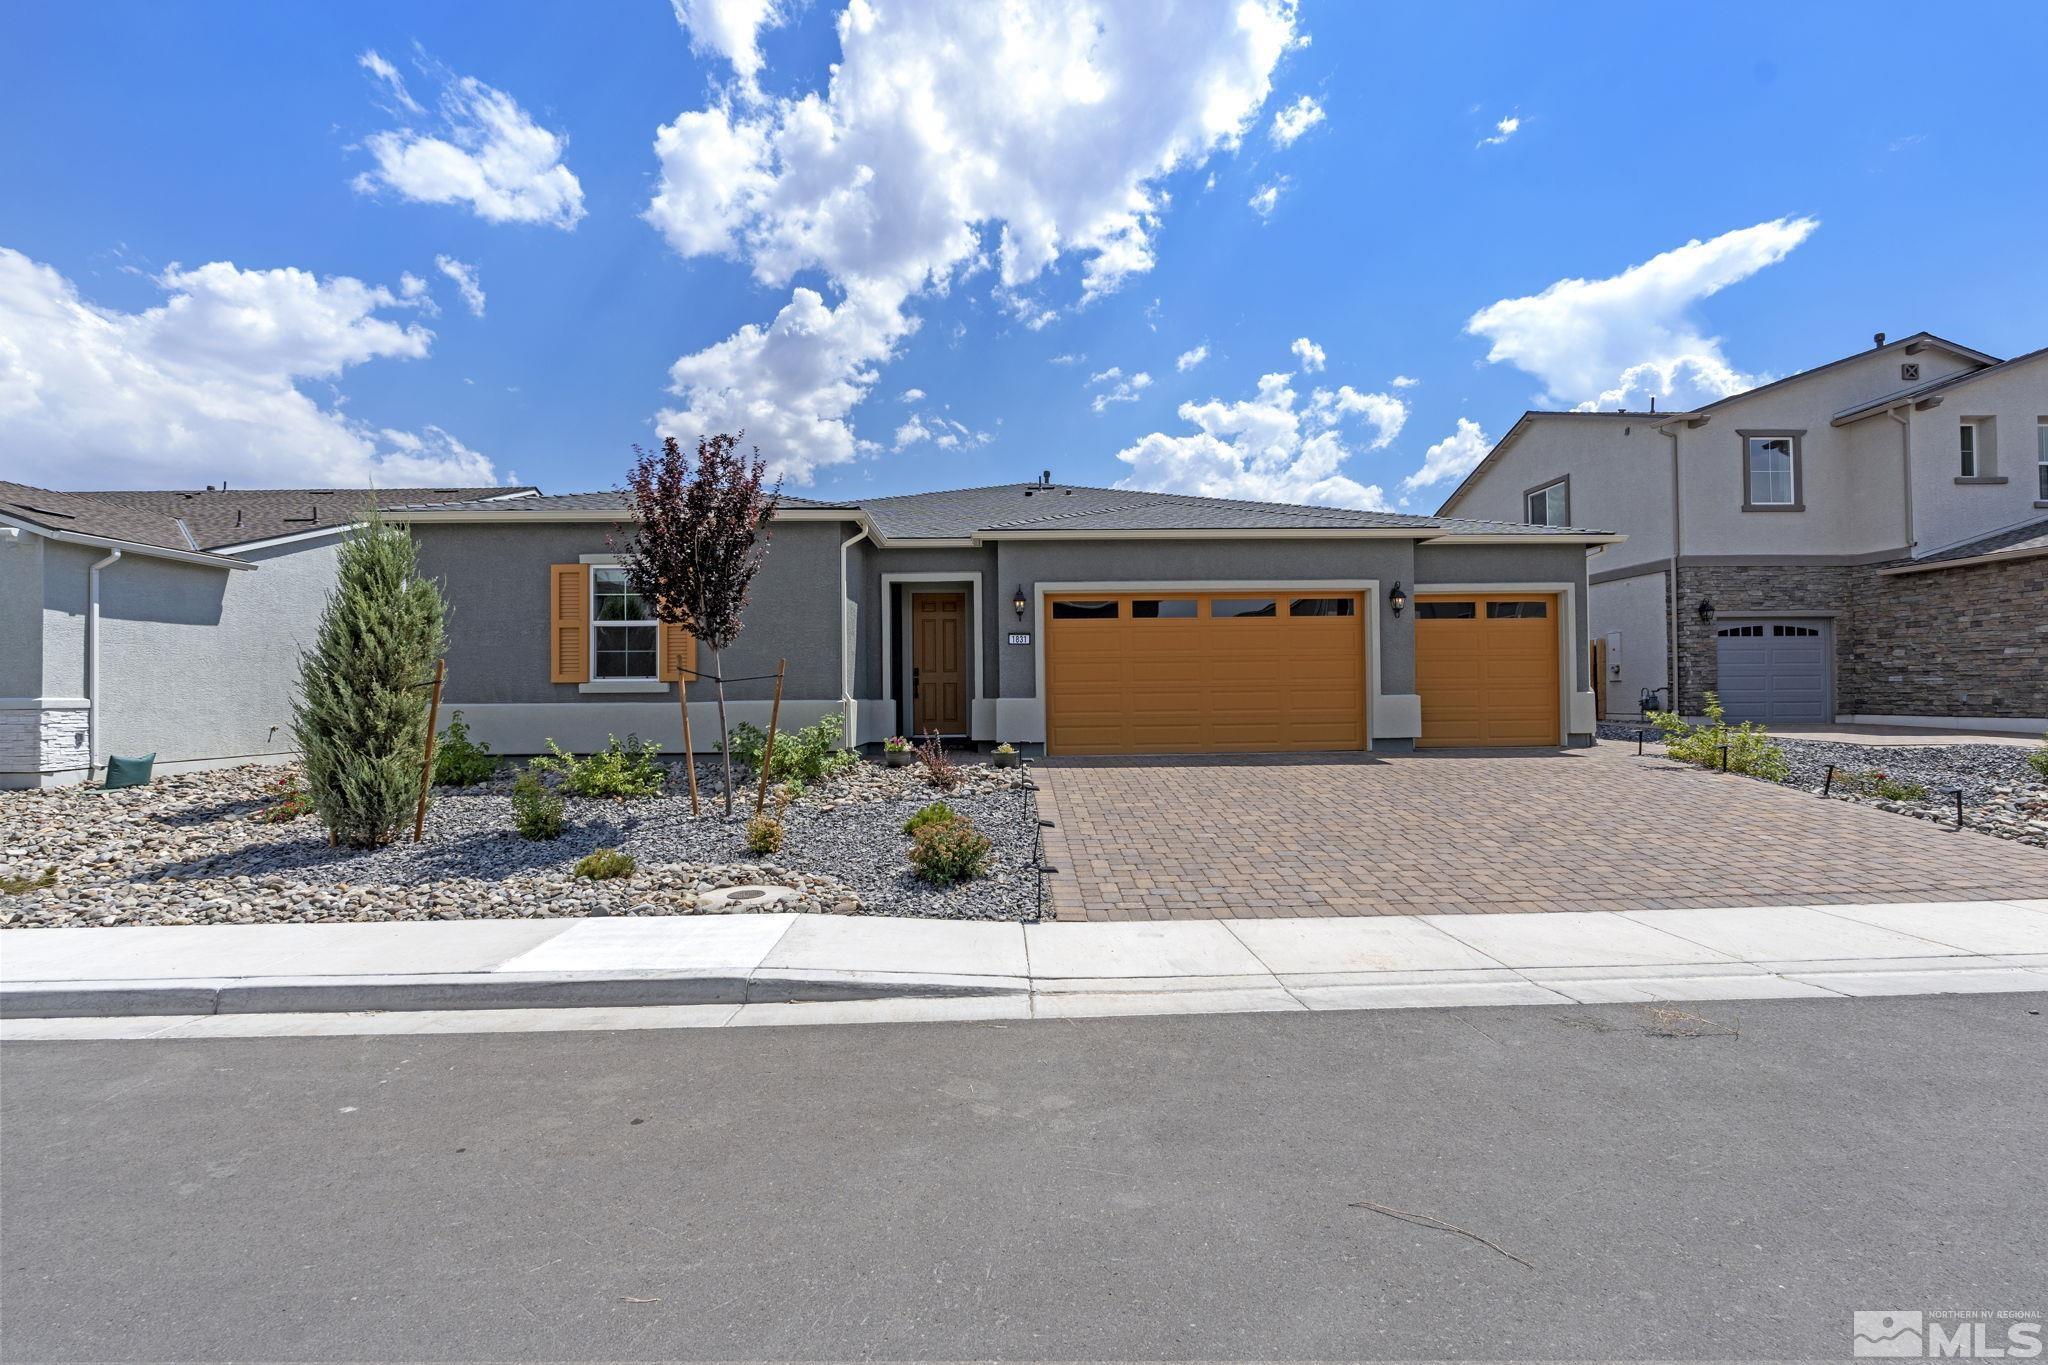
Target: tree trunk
[[724, 732]]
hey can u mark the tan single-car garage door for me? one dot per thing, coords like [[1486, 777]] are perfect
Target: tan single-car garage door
[[1245, 671], [1486, 667]]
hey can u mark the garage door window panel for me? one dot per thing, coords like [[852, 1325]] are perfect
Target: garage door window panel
[[1085, 611], [1164, 609], [1237, 608], [1322, 606]]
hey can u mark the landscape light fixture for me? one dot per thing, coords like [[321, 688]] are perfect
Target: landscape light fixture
[[1396, 598]]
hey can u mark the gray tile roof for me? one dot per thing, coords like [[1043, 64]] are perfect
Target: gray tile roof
[[212, 520], [550, 503], [2027, 538], [1026, 508], [1913, 393]]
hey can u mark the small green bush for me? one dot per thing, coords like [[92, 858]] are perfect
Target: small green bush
[[537, 813], [603, 864], [1880, 785], [2038, 761], [1750, 749], [949, 851], [460, 761], [21, 886], [765, 834], [811, 754], [617, 770], [937, 813]]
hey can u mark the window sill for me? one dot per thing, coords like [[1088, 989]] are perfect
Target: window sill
[[1774, 507], [604, 686], [1982, 478]]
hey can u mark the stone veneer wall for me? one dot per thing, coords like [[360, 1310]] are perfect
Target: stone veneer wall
[[1971, 641], [37, 741]]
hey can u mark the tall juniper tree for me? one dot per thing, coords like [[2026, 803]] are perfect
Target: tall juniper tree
[[699, 536], [360, 717]]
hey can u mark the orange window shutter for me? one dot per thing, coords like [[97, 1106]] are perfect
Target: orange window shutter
[[569, 623], [678, 653]]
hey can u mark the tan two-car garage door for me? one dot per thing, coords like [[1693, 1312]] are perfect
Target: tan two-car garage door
[[1486, 666], [1245, 671]]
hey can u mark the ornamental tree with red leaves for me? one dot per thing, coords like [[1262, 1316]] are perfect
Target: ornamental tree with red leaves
[[699, 538]]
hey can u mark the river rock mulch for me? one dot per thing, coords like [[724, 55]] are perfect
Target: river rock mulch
[[2002, 796], [188, 849]]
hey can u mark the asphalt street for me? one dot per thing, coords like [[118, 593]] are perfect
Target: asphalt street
[[1715, 1181]]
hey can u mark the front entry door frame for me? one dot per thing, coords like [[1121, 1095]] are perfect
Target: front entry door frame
[[924, 697]]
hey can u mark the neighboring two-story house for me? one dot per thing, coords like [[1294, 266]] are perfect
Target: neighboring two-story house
[[1865, 541]]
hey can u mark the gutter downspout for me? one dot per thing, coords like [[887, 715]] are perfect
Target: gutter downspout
[[92, 662], [851, 740], [1671, 616], [1903, 416]]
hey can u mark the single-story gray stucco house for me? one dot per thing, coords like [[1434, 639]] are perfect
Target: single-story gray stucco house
[[1089, 620], [166, 622]]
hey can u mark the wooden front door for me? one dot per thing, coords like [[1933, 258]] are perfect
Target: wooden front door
[[938, 662]]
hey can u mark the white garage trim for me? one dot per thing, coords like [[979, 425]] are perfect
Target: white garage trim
[[1575, 709], [1030, 713]]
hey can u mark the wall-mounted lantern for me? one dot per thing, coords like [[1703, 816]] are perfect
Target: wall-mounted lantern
[[1707, 611], [1396, 598], [1018, 603]]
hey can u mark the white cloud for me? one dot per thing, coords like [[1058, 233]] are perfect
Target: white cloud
[[941, 431], [465, 279], [1187, 360], [206, 384], [1121, 388], [1620, 340], [1309, 354], [1402, 381], [1067, 359], [1455, 456], [1267, 197], [1502, 131], [911, 432], [1267, 447], [730, 29], [947, 137], [490, 155], [913, 395], [1294, 120], [394, 83]]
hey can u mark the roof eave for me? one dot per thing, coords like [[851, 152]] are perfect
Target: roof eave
[[126, 547], [1991, 557], [1528, 538]]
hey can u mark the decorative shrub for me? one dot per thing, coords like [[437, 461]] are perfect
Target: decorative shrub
[[360, 714], [1876, 784], [811, 754], [765, 834], [937, 813], [617, 770], [289, 800], [537, 813], [460, 761], [949, 851], [2038, 761], [21, 886], [939, 768], [1750, 749], [603, 864]]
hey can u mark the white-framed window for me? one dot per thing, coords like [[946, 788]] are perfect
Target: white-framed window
[[1966, 436], [1772, 478], [2041, 455], [625, 639], [1546, 506]]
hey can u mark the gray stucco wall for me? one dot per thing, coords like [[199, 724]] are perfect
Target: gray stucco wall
[[495, 579], [1252, 561], [198, 664], [868, 564], [21, 616], [1515, 564]]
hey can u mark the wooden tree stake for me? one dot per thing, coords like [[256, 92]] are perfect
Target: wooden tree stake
[[419, 816], [689, 752], [768, 754]]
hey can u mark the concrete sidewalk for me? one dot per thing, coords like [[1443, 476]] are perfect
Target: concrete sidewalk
[[943, 968]]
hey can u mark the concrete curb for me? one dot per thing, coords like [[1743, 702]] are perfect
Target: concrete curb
[[476, 991]]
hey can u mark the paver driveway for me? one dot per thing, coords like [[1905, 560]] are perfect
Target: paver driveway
[[1436, 833]]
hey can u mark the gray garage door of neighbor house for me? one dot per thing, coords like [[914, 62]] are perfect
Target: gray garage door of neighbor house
[[1774, 671]]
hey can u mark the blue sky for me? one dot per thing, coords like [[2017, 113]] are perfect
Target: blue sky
[[220, 234]]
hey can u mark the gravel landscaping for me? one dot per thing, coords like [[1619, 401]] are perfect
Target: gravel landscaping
[[2001, 795], [188, 849]]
